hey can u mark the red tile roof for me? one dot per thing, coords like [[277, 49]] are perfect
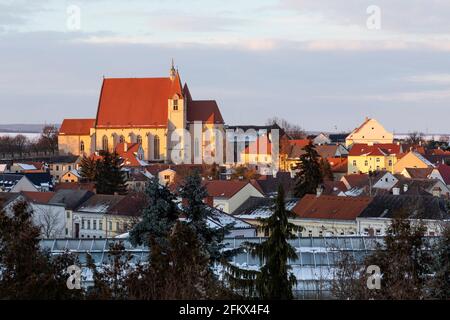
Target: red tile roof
[[206, 111], [38, 197], [224, 188], [130, 102], [444, 170], [378, 149], [338, 164], [299, 142], [76, 126], [330, 207], [130, 155]]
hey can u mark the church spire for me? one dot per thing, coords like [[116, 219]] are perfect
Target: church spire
[[173, 72]]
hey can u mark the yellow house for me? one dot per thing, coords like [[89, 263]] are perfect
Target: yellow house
[[412, 159], [70, 176], [370, 131], [258, 155], [364, 158]]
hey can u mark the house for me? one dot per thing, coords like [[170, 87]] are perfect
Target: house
[[228, 195], [18, 167], [321, 139], [258, 155], [328, 215], [412, 159], [255, 208], [71, 176], [105, 216], [59, 165], [417, 173], [15, 182], [269, 183], [377, 216], [41, 180], [370, 131], [146, 111], [131, 154], [137, 182], [338, 137], [441, 172], [364, 158], [332, 151], [170, 173], [70, 200], [426, 187]]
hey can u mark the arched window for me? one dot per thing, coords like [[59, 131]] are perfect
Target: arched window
[[175, 102], [121, 139], [139, 139], [105, 143], [82, 146], [156, 148]]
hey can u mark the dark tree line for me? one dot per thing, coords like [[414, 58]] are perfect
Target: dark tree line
[[20, 144]]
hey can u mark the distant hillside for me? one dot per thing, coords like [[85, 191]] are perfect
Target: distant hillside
[[29, 128]]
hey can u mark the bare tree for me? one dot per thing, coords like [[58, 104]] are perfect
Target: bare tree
[[49, 220], [415, 138], [293, 130]]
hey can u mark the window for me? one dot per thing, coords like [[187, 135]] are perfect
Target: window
[[94, 224], [105, 143], [82, 223], [175, 104], [82, 146], [68, 215], [117, 226], [354, 162], [139, 139], [89, 224], [378, 232], [156, 148], [166, 177], [121, 139], [110, 225], [378, 159], [366, 163], [67, 231], [57, 168], [390, 162], [100, 225]]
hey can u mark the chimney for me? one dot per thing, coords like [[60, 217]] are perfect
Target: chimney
[[396, 191], [436, 192], [405, 188], [274, 173], [319, 191]]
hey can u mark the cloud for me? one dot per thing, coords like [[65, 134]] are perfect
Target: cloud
[[438, 78]]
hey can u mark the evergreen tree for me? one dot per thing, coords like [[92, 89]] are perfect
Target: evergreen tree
[[309, 176], [27, 272], [88, 169], [111, 279], [197, 213], [325, 169], [274, 280], [440, 283], [109, 177], [158, 217]]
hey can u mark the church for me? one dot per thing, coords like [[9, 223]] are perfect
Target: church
[[145, 111]]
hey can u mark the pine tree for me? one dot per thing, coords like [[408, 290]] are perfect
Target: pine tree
[[440, 283], [158, 217], [309, 176], [274, 280], [109, 177], [88, 168], [111, 279], [27, 271], [193, 193]]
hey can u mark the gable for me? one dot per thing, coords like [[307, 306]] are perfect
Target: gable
[[371, 129]]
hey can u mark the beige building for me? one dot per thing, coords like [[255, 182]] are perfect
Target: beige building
[[412, 159], [156, 113], [370, 131]]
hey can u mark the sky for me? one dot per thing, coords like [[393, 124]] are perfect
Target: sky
[[324, 65]]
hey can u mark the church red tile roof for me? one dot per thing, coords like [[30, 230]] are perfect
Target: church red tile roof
[[76, 126], [204, 110], [136, 102]]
